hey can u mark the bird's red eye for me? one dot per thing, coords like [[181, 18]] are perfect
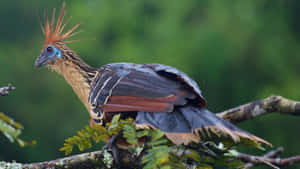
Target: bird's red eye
[[49, 49]]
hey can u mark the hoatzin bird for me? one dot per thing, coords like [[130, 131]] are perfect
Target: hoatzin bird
[[155, 95]]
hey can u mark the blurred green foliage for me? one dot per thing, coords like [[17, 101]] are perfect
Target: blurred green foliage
[[237, 51], [11, 129]]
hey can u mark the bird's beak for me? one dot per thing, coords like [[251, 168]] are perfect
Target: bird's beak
[[41, 60]]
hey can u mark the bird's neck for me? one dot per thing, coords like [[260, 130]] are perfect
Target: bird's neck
[[77, 73]]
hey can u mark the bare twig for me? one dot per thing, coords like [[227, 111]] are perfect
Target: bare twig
[[257, 108], [267, 159], [5, 90], [271, 154]]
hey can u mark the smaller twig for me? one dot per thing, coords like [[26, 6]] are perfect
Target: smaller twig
[[261, 107], [4, 91], [274, 153], [267, 159], [271, 154]]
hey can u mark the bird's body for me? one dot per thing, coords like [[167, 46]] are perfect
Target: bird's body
[[155, 95]]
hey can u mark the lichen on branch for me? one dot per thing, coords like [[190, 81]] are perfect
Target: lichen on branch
[[268, 105]]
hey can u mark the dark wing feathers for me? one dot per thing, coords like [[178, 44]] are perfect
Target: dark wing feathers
[[193, 124], [168, 70], [129, 87], [145, 84], [105, 81]]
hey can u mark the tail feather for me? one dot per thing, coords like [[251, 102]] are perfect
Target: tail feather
[[191, 124], [214, 124]]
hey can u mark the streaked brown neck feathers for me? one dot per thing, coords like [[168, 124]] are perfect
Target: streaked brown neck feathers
[[75, 71]]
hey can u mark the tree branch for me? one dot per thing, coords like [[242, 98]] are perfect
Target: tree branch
[[5, 90], [271, 154], [269, 159], [85, 160], [261, 107], [91, 160]]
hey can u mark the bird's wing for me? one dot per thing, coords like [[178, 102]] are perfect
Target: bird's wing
[[153, 90], [121, 87], [175, 74]]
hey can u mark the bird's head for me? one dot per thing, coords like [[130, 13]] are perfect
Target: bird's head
[[54, 49], [49, 56]]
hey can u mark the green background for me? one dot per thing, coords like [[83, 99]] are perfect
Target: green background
[[238, 51]]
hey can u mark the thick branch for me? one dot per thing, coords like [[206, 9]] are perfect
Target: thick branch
[[268, 160], [257, 108], [5, 90], [85, 160], [96, 159]]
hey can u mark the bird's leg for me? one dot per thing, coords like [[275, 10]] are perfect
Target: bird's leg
[[113, 147]]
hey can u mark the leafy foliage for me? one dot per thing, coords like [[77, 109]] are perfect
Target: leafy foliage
[[160, 152], [84, 138], [12, 130]]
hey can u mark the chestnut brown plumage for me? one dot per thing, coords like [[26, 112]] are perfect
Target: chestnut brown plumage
[[155, 95]]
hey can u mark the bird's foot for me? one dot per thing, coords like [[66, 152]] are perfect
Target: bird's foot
[[111, 145]]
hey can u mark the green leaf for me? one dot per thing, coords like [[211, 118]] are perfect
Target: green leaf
[[157, 134], [12, 130], [10, 121], [115, 119], [142, 133], [193, 155], [165, 167], [204, 166], [156, 157], [130, 134], [157, 142], [232, 153], [85, 138]]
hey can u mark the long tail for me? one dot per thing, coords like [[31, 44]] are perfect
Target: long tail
[[193, 124]]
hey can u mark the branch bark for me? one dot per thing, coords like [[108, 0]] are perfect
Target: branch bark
[[91, 160], [269, 159], [85, 160], [271, 154], [261, 107]]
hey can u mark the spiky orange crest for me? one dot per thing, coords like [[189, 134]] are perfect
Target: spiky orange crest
[[54, 34]]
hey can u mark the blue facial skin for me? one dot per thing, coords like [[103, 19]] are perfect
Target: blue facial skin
[[50, 53]]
